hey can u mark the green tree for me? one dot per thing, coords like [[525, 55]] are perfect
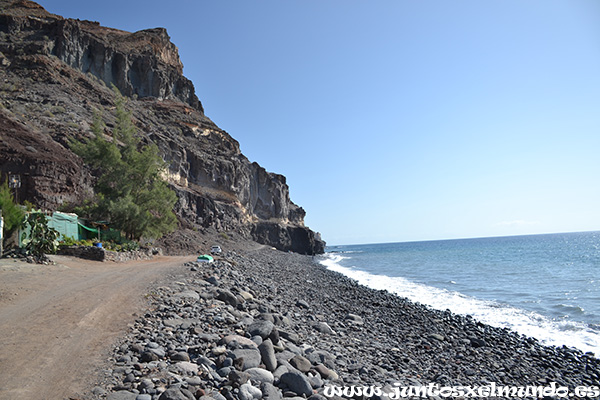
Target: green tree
[[13, 214], [131, 193]]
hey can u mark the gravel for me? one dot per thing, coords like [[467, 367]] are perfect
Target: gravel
[[268, 324]]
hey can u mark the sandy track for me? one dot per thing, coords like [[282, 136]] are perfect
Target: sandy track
[[57, 323]]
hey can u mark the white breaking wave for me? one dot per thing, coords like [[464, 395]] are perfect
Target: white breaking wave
[[547, 331]]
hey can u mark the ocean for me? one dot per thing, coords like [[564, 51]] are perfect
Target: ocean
[[542, 286]]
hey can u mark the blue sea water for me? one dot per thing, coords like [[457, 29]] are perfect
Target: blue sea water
[[543, 286]]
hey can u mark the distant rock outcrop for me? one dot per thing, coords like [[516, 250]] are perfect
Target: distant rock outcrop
[[55, 73]]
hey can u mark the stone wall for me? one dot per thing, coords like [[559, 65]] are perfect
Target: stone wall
[[123, 256], [100, 254]]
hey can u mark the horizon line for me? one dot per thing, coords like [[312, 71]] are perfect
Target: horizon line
[[462, 238]]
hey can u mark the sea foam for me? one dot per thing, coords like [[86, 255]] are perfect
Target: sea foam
[[532, 324]]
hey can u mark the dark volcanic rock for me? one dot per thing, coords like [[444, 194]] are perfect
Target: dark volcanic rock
[[144, 63], [267, 354], [283, 237], [261, 328], [396, 342], [49, 173], [56, 72], [176, 394], [297, 383]]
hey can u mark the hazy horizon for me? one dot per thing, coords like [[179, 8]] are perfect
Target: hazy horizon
[[457, 238]]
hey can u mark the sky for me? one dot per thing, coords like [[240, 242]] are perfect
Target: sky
[[400, 120]]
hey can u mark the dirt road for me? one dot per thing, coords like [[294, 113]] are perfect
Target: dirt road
[[57, 323]]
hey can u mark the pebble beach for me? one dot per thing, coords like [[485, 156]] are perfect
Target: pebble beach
[[264, 324]]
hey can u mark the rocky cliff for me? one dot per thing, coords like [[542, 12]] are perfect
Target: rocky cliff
[[56, 72]]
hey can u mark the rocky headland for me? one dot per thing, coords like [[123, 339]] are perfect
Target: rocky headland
[[56, 73], [266, 324]]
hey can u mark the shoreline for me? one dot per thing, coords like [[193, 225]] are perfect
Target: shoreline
[[547, 296], [525, 322], [323, 328]]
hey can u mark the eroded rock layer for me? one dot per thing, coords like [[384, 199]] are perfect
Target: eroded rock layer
[[55, 73]]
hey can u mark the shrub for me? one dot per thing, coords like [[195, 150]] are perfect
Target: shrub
[[12, 213], [224, 235], [43, 239], [67, 241]]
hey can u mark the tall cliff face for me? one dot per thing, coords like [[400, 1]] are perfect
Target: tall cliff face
[[145, 63], [55, 73]]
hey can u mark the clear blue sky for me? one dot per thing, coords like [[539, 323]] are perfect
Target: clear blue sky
[[400, 120]]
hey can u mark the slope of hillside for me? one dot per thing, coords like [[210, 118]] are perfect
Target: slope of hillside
[[56, 72]]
